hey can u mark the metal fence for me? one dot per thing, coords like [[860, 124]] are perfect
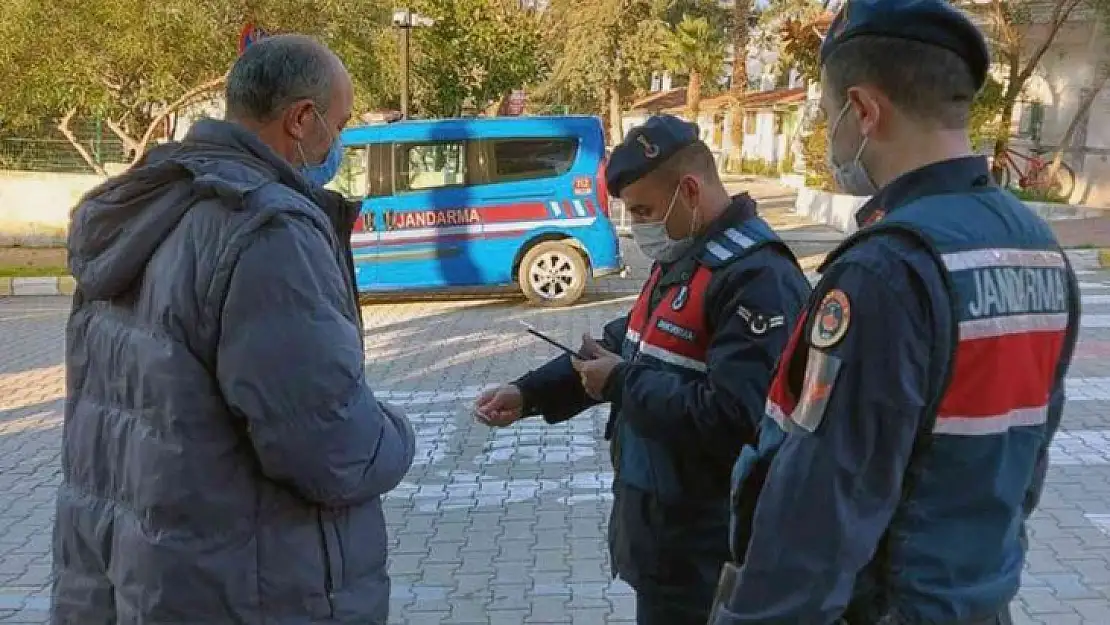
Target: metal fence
[[49, 151]]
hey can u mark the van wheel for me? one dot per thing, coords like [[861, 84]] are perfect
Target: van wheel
[[552, 274]]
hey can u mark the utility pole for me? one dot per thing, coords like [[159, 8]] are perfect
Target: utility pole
[[406, 20]]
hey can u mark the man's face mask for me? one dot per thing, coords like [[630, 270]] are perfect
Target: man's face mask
[[851, 177], [655, 243], [322, 173]]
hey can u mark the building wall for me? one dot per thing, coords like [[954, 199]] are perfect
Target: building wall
[[758, 142], [764, 143], [1062, 77], [35, 206]]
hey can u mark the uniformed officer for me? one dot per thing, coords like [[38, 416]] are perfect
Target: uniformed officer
[[686, 371], [910, 418]]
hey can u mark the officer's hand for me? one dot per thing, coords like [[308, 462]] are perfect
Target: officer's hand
[[501, 406], [596, 368]]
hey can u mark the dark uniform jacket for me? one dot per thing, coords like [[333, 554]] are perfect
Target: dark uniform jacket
[[699, 346], [908, 425]]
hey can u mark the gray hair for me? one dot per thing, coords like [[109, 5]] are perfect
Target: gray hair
[[277, 71]]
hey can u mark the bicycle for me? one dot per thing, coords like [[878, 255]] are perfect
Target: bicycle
[[1033, 173]]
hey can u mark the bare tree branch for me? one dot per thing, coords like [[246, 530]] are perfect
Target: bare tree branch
[[128, 141], [186, 98], [63, 127], [1063, 10]]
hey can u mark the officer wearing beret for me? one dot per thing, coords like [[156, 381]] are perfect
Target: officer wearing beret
[[909, 420], [686, 371]]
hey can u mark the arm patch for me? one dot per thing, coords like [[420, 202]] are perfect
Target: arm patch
[[821, 371]]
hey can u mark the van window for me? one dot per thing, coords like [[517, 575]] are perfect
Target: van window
[[353, 178], [527, 159], [381, 170], [430, 165]]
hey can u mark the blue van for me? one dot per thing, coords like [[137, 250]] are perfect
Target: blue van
[[482, 202]]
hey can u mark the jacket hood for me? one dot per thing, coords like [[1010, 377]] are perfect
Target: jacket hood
[[117, 227]]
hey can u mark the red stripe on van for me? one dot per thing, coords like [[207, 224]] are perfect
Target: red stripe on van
[[513, 212]]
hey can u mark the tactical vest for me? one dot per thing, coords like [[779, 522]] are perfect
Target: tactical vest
[[953, 549], [673, 335]]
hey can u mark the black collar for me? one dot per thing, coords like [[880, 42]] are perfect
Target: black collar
[[955, 175]]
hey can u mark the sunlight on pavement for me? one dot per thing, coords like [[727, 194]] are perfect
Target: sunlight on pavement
[[39, 421], [30, 387], [627, 300]]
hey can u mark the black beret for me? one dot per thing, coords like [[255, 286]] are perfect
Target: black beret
[[646, 147], [934, 22]]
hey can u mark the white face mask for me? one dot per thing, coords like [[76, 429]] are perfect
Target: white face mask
[[851, 177], [655, 243]]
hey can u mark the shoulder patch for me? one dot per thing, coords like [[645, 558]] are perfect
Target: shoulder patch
[[760, 323], [831, 322]]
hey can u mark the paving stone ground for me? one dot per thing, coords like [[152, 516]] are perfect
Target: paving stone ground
[[508, 526]]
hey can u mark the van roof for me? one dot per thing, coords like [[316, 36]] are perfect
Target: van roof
[[475, 128]]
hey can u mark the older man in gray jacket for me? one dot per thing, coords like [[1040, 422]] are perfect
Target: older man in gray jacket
[[223, 455]]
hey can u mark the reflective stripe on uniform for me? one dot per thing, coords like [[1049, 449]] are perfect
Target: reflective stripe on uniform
[[672, 358]]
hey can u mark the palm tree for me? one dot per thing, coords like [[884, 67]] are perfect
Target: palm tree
[[696, 48], [741, 36]]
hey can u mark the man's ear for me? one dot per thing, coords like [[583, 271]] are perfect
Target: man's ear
[[298, 119], [867, 105], [691, 189]]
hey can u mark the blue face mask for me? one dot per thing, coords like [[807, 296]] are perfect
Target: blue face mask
[[322, 173]]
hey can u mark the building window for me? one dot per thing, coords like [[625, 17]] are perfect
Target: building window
[[780, 123], [430, 165], [1030, 120], [530, 159], [749, 122]]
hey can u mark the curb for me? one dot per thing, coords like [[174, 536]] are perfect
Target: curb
[[1051, 211], [15, 287], [1087, 259]]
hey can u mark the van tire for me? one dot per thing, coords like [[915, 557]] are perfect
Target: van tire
[[553, 274]]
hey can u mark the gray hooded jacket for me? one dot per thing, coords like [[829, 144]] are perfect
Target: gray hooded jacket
[[223, 456]]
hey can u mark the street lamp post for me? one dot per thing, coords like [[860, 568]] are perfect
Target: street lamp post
[[405, 20]]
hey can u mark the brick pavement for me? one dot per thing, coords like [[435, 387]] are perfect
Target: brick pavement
[[508, 526]]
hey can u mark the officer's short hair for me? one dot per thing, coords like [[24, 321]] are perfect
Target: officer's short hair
[[927, 82], [692, 159], [277, 71]]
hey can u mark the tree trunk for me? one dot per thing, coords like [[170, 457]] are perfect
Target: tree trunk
[[741, 35], [613, 78], [616, 126], [693, 96], [1073, 127], [1002, 134]]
